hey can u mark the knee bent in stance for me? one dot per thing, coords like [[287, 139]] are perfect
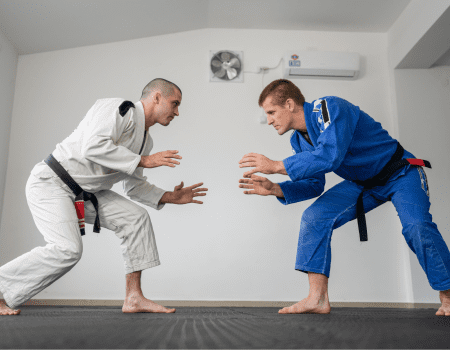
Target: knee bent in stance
[[70, 252]]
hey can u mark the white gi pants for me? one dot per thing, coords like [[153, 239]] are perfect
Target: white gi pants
[[52, 206]]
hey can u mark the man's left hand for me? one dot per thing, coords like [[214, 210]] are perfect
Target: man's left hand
[[261, 163], [186, 195]]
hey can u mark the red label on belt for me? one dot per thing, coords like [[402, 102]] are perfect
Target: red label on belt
[[79, 207], [418, 162]]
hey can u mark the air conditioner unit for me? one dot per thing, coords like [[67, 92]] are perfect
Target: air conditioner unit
[[308, 64]]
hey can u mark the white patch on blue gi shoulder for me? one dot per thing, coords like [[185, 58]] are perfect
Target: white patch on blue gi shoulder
[[317, 103], [424, 181], [325, 114], [318, 108], [293, 151]]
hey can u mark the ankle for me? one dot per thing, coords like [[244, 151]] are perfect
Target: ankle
[[445, 293], [134, 295], [316, 295]]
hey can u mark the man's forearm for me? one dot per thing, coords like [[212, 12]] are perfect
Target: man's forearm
[[279, 168], [166, 198], [276, 191], [146, 162], [141, 162]]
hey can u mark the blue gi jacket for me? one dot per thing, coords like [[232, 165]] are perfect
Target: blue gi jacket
[[345, 140]]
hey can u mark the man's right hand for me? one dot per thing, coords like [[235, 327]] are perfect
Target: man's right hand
[[261, 186], [160, 159]]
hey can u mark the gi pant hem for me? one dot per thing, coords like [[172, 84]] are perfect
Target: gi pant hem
[[307, 269], [143, 266], [6, 297]]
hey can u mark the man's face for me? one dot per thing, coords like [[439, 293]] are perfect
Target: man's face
[[278, 116], [168, 108]]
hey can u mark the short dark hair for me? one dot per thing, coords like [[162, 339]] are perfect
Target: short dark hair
[[159, 84], [281, 90]]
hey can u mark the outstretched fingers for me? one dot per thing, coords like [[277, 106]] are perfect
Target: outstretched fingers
[[250, 155], [196, 194], [171, 163], [247, 163], [247, 160], [244, 183], [251, 172], [174, 152], [248, 184], [257, 178], [195, 186], [194, 191], [200, 189], [168, 155]]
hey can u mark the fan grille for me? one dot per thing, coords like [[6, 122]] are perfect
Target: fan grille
[[225, 65]]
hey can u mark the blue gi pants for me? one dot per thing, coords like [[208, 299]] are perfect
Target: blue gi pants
[[408, 191]]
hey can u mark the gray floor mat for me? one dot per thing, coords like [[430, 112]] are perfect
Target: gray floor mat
[[223, 328]]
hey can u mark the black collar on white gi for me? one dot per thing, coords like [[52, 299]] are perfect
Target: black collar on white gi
[[125, 106]]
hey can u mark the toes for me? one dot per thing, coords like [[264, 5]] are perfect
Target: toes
[[9, 312], [288, 310], [443, 312]]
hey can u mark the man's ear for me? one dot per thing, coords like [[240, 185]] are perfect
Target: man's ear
[[157, 97], [290, 104]]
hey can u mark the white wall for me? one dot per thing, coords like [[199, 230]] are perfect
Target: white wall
[[423, 98], [234, 247], [420, 106], [420, 35], [8, 68]]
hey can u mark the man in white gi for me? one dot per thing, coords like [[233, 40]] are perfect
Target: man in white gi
[[111, 144]]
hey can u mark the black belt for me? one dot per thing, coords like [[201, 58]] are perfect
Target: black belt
[[395, 163], [80, 195]]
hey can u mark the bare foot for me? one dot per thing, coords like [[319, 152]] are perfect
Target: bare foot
[[309, 306], [444, 310], [5, 310], [139, 303]]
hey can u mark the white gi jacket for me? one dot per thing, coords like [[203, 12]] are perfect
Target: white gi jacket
[[104, 149]]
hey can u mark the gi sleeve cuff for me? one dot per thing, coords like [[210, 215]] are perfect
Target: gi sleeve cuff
[[285, 200], [134, 165], [157, 194], [288, 165]]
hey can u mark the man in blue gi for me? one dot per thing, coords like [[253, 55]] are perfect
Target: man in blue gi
[[333, 135]]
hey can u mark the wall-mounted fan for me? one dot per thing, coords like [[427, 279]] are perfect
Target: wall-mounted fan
[[226, 66]]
